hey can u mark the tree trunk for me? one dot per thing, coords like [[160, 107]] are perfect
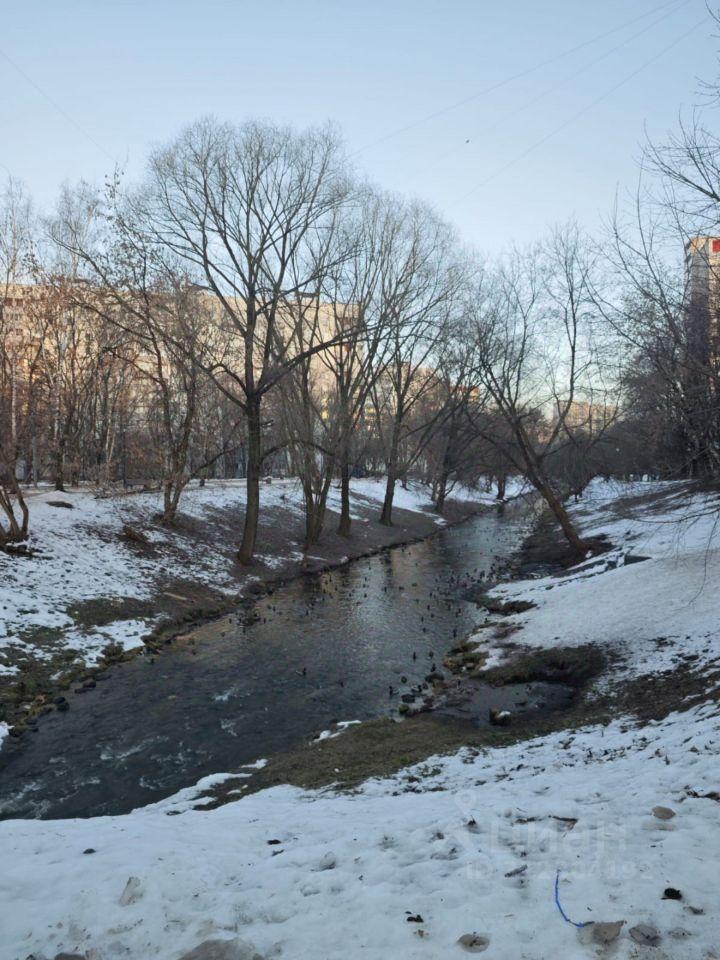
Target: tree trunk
[[60, 470], [345, 524], [561, 515], [254, 464], [314, 517], [442, 480], [35, 462], [441, 492], [501, 483], [171, 498], [535, 474], [391, 467], [386, 513], [17, 531]]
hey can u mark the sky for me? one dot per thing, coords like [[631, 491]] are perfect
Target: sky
[[507, 117]]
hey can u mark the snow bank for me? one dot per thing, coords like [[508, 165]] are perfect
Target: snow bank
[[472, 845], [77, 555], [654, 612]]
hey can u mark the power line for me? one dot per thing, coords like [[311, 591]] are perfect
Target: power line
[[55, 105], [588, 65], [580, 113], [516, 76]]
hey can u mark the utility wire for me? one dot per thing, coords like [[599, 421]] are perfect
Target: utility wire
[[63, 113], [580, 113], [516, 76], [588, 65]]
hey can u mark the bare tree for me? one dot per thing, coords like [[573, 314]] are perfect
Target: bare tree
[[457, 402], [18, 360], [243, 207], [419, 282], [359, 325], [162, 317], [538, 361], [67, 367], [661, 309]]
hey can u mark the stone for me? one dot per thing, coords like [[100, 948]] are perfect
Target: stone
[[137, 536], [670, 893], [645, 935], [473, 942], [132, 893], [327, 862], [663, 813], [607, 932], [500, 718], [222, 950]]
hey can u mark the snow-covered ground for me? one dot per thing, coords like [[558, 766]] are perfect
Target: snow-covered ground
[[351, 872], [78, 555], [470, 844], [653, 612]]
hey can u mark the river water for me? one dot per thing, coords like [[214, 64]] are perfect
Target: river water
[[322, 649]]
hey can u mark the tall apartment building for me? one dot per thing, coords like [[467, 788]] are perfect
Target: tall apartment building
[[702, 263], [702, 259]]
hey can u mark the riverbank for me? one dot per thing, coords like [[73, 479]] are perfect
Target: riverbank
[[614, 821], [352, 643], [88, 594], [586, 648]]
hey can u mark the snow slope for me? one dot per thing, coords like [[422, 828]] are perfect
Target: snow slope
[[652, 612], [458, 845], [349, 870]]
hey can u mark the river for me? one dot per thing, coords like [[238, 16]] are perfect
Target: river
[[340, 646]]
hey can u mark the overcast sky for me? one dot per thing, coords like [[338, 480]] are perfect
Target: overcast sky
[[508, 117]]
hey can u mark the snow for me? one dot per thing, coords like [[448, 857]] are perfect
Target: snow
[[77, 555], [656, 611], [207, 874], [415, 495], [340, 728], [470, 843]]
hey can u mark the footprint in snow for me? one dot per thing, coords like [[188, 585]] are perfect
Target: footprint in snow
[[473, 942]]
